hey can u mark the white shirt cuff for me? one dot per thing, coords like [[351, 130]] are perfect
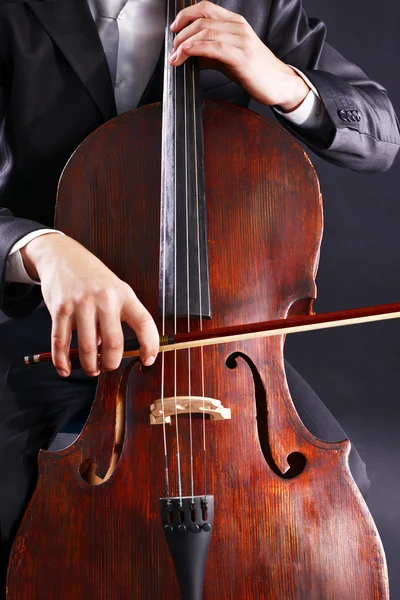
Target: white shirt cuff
[[15, 270], [311, 113]]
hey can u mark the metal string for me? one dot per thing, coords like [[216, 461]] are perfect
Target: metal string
[[199, 273], [187, 191], [196, 161], [188, 273], [164, 225], [178, 455]]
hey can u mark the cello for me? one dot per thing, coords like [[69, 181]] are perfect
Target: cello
[[196, 477]]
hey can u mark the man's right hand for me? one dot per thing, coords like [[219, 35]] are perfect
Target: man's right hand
[[82, 293]]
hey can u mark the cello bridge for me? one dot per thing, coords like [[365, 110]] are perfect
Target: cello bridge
[[181, 405]]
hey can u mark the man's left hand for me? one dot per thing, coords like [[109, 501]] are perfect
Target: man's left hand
[[225, 41]]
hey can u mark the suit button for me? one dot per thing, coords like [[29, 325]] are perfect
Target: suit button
[[350, 115]]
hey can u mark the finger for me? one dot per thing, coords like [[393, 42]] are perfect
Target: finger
[[112, 340], [140, 320], [224, 53], [209, 29], [207, 10], [86, 325], [61, 334], [222, 37]]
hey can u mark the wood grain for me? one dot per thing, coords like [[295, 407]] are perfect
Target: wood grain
[[277, 535]]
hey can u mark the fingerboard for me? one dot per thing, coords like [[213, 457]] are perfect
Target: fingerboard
[[184, 275]]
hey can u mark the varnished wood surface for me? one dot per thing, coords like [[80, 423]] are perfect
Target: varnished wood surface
[[309, 537]]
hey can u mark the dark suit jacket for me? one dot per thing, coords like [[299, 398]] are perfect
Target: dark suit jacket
[[55, 89]]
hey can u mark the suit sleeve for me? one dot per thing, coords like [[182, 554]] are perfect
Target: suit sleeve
[[16, 299], [363, 132]]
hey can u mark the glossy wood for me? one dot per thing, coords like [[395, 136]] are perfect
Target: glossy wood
[[302, 533]]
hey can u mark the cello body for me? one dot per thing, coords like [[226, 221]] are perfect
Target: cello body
[[289, 521]]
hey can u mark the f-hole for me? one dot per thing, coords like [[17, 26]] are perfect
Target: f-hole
[[296, 460], [87, 468]]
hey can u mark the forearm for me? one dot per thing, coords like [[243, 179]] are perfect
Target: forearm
[[362, 132], [370, 142]]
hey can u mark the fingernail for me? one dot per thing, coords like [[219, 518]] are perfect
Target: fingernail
[[63, 373], [94, 374], [173, 24], [173, 55], [149, 361]]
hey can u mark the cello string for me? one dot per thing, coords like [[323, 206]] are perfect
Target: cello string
[[178, 455], [199, 272], [186, 151], [164, 226], [166, 471]]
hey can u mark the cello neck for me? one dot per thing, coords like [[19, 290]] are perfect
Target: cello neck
[[184, 273]]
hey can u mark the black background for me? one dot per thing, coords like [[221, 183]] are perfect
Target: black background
[[355, 370]]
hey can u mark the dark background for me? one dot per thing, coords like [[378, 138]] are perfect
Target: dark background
[[356, 370]]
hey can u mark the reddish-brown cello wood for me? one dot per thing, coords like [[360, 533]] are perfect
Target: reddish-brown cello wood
[[309, 537]]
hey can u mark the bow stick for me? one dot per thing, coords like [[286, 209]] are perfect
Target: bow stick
[[235, 333]]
